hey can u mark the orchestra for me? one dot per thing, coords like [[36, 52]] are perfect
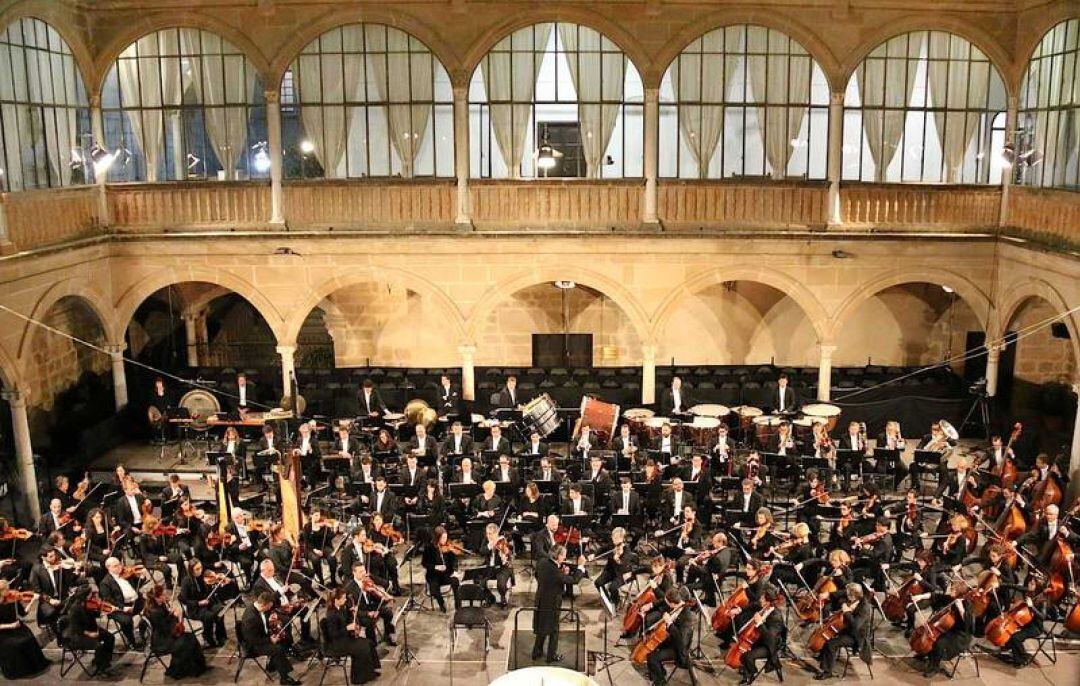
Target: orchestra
[[722, 530]]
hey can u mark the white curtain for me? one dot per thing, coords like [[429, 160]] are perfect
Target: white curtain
[[224, 85], [510, 83], [955, 83], [704, 78], [598, 78], [402, 77], [325, 82], [778, 79], [885, 85], [151, 82]]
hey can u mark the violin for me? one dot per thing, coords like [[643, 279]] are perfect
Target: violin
[[926, 634], [654, 637], [213, 578], [260, 525], [129, 572], [503, 546], [13, 596], [95, 604], [13, 534], [820, 493], [163, 530], [216, 539], [455, 547], [387, 530], [828, 629], [748, 636], [868, 539], [373, 588], [81, 489], [78, 546], [370, 546]]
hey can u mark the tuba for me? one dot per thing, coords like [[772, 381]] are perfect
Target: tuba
[[417, 411]]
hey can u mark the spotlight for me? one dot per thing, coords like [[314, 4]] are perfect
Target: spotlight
[[565, 285], [101, 158], [261, 162], [307, 147], [192, 161], [1008, 155], [948, 289], [545, 156]]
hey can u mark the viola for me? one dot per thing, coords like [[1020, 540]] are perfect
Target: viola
[[828, 629], [748, 636], [1001, 628], [653, 639], [926, 634], [895, 604], [163, 530], [13, 596], [78, 546], [213, 578]]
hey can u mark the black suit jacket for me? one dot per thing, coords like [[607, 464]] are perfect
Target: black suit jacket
[[538, 474], [161, 402], [350, 444], [41, 582], [255, 633], [792, 402], [568, 505], [543, 448], [619, 446], [431, 446], [617, 502], [418, 479], [448, 401], [122, 510], [389, 505], [466, 445], [667, 401], [550, 584], [251, 396], [489, 445], [110, 591], [506, 401], [756, 501], [374, 404], [541, 543]]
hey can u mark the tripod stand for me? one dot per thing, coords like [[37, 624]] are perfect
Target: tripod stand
[[982, 404], [411, 604], [696, 653], [604, 659], [406, 654]]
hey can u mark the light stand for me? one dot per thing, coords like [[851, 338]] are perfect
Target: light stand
[[604, 659], [982, 404]]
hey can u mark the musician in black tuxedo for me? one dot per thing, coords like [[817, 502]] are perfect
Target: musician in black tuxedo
[[265, 454], [245, 397], [53, 583], [546, 471], [784, 399], [1042, 538], [767, 647], [383, 501], [307, 445], [255, 625], [161, 397], [53, 519], [124, 596], [447, 398], [600, 479], [626, 501], [505, 473], [535, 446], [412, 474], [496, 442], [677, 645], [748, 501], [422, 445], [508, 396], [676, 400], [345, 444], [551, 580], [128, 508], [624, 445], [543, 540], [371, 402], [457, 442]]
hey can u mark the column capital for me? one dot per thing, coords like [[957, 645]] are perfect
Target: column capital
[[467, 350], [652, 94], [115, 349], [648, 352], [826, 349], [273, 96], [461, 92], [95, 102], [15, 397], [286, 350], [836, 98]]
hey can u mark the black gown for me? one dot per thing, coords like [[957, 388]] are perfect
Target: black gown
[[187, 655], [339, 642], [20, 654]]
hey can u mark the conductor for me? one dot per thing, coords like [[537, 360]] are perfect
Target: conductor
[[552, 576]]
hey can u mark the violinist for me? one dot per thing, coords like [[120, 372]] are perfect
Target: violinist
[[857, 612], [792, 553], [317, 537], [431, 501], [261, 639], [873, 553], [124, 596], [363, 551], [168, 636], [189, 528], [286, 601], [552, 576], [809, 498], [62, 492], [844, 528], [370, 602], [83, 633], [871, 508], [243, 541], [685, 541], [53, 583], [707, 573], [761, 537], [618, 567], [440, 561], [495, 551], [384, 536], [204, 599], [675, 503], [281, 551], [20, 654], [344, 636], [953, 548], [155, 556], [909, 525], [772, 631], [957, 639], [56, 519], [676, 647]]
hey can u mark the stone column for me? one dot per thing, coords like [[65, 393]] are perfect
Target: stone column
[[835, 159], [463, 220], [824, 374], [652, 136], [288, 367], [202, 335], [24, 452], [191, 338], [176, 123], [1011, 117], [97, 134], [468, 372], [119, 374], [993, 358], [6, 246], [1074, 453], [277, 155], [648, 374]]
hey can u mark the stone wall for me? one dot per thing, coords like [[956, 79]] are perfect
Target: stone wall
[[1039, 356], [56, 361]]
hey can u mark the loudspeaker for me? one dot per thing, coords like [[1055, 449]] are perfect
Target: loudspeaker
[[1059, 330]]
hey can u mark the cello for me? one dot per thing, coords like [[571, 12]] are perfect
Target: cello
[[739, 599], [633, 617], [828, 629], [1001, 628], [748, 636], [654, 637], [895, 604], [926, 634], [807, 605]]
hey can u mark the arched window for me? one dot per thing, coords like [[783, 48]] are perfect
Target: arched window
[[562, 87], [1048, 148], [44, 120], [744, 101], [182, 103], [367, 100], [925, 106]]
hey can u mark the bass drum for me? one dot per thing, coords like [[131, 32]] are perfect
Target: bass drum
[[541, 415], [200, 403], [601, 417]]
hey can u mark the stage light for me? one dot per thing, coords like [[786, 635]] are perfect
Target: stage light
[[1008, 155], [307, 147], [192, 161], [948, 289], [261, 161], [102, 159], [565, 285], [545, 156]]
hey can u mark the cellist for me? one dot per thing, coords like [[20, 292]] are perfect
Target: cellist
[[1042, 539], [757, 579], [857, 611], [1013, 652], [660, 579], [767, 646], [957, 639], [676, 647]]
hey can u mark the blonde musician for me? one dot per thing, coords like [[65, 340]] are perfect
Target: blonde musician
[[169, 636], [824, 448], [763, 537], [233, 445]]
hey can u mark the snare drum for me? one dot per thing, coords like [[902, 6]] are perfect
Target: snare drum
[[831, 413], [704, 431], [653, 426], [747, 415], [541, 415], [601, 417], [767, 426]]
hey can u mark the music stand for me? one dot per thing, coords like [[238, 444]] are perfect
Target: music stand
[[604, 659]]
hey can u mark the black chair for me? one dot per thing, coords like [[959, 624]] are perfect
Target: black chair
[[951, 670], [151, 655], [243, 654], [471, 615], [76, 654], [781, 650], [847, 651], [327, 657]]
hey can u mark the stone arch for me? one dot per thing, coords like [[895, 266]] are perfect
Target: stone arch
[[1020, 293], [814, 44], [151, 22], [995, 52], [134, 296], [280, 61], [310, 300], [51, 13], [76, 287], [969, 292], [608, 286], [1029, 40], [570, 14], [787, 285], [10, 377]]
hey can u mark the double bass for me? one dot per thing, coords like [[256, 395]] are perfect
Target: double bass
[[654, 637]]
